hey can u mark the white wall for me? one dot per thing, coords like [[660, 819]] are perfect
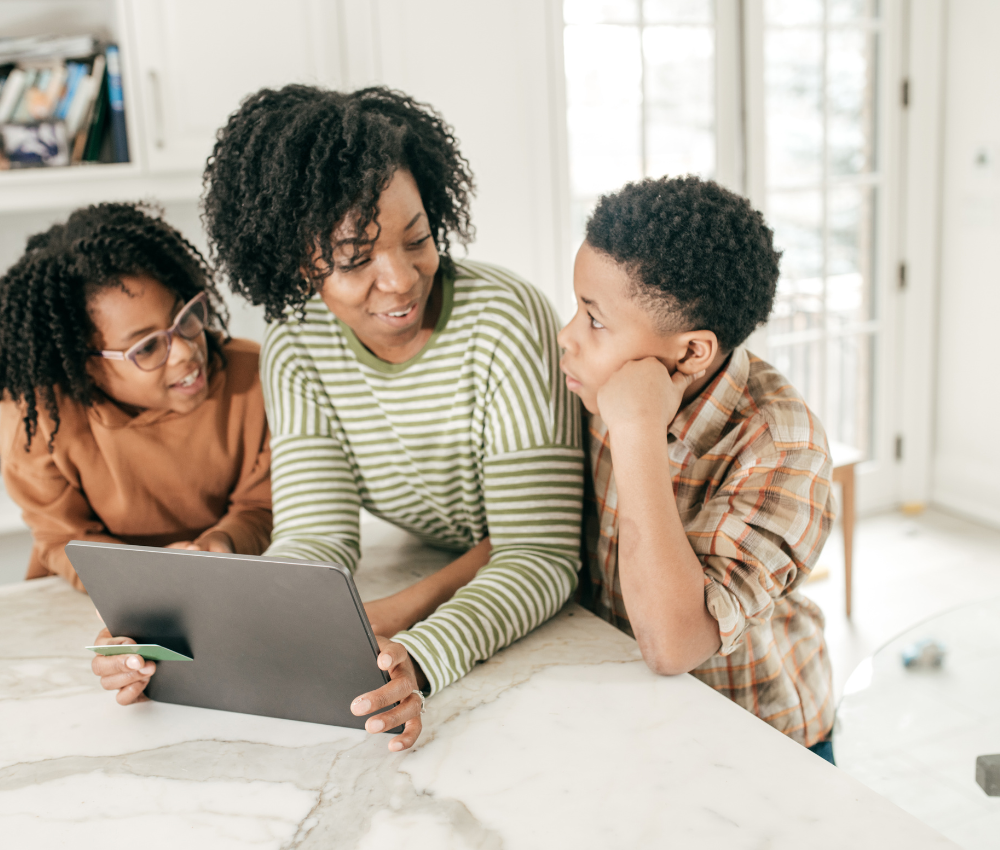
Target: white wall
[[966, 469], [488, 69]]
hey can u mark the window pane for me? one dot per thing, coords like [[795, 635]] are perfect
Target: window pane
[[793, 80], [677, 11], [797, 221], [679, 100], [852, 10], [851, 260], [804, 366], [829, 372], [627, 118], [849, 390], [673, 148], [784, 13], [603, 107], [823, 190], [601, 11], [851, 63]]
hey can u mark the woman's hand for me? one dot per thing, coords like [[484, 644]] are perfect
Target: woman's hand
[[405, 677], [127, 674]]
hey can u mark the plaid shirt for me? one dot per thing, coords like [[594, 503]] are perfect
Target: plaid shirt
[[752, 484]]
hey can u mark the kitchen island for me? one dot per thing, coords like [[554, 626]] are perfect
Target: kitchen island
[[565, 739]]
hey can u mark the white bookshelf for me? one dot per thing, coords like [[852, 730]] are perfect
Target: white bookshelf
[[186, 64], [68, 188]]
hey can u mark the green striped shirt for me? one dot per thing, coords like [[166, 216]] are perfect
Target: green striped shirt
[[476, 435]]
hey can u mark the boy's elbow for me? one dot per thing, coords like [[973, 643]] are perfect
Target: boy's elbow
[[662, 661]]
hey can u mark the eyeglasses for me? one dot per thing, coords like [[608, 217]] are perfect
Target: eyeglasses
[[152, 351]]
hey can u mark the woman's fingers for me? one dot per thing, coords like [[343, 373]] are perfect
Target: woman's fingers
[[391, 654], [407, 710], [393, 691], [408, 737]]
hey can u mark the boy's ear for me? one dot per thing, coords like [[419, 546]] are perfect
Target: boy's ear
[[700, 350]]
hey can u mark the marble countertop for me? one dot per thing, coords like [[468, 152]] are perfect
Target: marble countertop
[[563, 740]]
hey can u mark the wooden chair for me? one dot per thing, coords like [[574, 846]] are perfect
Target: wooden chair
[[845, 458]]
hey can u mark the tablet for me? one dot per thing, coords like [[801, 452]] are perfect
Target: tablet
[[280, 638]]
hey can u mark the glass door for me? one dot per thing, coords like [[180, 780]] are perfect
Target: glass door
[[825, 186], [640, 94]]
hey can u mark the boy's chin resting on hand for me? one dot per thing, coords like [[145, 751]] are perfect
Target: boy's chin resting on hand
[[643, 394]]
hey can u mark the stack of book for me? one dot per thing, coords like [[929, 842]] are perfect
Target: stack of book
[[60, 102]]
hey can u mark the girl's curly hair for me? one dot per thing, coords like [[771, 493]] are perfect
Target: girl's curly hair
[[291, 164], [46, 333]]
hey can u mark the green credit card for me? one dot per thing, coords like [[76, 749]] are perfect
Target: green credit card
[[149, 651]]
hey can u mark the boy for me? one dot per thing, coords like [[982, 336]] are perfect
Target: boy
[[719, 501]]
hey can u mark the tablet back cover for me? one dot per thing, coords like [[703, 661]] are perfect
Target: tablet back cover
[[272, 637]]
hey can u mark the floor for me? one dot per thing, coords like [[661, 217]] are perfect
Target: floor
[[906, 569]]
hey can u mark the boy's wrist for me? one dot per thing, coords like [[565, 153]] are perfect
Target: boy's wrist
[[637, 428]]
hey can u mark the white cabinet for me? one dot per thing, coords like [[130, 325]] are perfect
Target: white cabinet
[[195, 60]]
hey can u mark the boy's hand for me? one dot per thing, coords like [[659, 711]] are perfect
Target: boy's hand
[[643, 393]]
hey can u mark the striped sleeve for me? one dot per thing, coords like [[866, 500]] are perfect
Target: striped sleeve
[[533, 490], [315, 499]]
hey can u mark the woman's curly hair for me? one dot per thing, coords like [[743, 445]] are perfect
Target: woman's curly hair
[[699, 255], [46, 333], [291, 164]]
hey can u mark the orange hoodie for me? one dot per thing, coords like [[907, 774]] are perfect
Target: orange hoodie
[[148, 479]]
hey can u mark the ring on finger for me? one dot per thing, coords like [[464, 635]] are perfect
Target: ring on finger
[[423, 700]]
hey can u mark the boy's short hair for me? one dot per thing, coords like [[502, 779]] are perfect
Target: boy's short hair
[[700, 256]]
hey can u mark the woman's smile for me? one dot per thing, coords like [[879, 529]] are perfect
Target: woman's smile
[[400, 317]]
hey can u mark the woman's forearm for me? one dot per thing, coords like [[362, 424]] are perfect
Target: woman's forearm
[[662, 579], [417, 602]]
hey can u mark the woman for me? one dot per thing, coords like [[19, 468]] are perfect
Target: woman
[[424, 389], [127, 415]]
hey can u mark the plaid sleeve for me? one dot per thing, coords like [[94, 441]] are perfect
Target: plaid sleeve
[[760, 534]]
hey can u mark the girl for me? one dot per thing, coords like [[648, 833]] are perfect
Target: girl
[[128, 415]]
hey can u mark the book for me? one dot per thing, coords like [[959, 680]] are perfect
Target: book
[[99, 120], [20, 114], [39, 102], [116, 105], [93, 88], [11, 94], [78, 114], [75, 72]]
